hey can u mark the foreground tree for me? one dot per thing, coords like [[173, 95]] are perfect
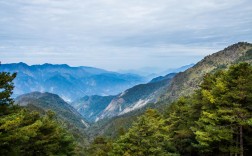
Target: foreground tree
[[24, 133], [6, 88], [178, 120], [226, 111], [148, 136], [27, 133]]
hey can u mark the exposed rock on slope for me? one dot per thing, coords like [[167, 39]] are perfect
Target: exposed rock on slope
[[185, 82], [136, 97]]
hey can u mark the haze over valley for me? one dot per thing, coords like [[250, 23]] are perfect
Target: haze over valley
[[125, 78]]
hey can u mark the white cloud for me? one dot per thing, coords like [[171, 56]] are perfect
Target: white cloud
[[116, 33]]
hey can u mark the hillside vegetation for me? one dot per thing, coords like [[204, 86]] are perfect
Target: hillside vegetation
[[215, 120], [66, 115], [205, 110], [183, 84], [26, 133], [91, 106]]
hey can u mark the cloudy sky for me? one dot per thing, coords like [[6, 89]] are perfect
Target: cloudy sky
[[120, 34]]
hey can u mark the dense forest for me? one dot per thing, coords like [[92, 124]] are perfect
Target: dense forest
[[215, 120], [27, 133]]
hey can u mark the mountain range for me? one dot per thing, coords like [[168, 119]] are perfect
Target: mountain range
[[94, 108], [70, 83], [123, 107], [182, 84], [94, 92], [151, 72]]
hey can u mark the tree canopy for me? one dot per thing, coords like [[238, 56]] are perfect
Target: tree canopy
[[27, 133], [215, 120]]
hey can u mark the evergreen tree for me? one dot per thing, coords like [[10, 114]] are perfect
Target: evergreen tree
[[239, 95], [226, 111], [101, 146], [147, 136], [24, 133], [179, 118], [6, 88]]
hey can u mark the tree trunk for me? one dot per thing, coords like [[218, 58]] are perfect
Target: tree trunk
[[236, 141], [241, 141]]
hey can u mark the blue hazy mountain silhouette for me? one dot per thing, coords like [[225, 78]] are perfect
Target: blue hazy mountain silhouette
[[69, 82]]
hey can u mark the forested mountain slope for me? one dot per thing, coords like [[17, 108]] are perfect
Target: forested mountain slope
[[97, 107], [69, 118], [136, 97], [46, 101], [184, 83], [91, 106]]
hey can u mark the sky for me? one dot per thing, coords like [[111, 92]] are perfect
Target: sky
[[120, 34]]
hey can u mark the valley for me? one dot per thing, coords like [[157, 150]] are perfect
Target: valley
[[125, 78], [115, 114]]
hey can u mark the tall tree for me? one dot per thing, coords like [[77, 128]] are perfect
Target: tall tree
[[27, 133], [148, 136], [226, 111], [178, 119], [239, 94], [6, 89]]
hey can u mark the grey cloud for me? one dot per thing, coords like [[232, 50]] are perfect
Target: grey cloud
[[115, 33]]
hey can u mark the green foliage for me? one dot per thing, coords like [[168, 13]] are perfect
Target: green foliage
[[6, 87], [227, 108], [100, 146], [27, 133], [215, 120], [183, 84], [186, 82], [115, 126], [147, 136], [247, 57], [24, 133], [66, 116], [179, 117]]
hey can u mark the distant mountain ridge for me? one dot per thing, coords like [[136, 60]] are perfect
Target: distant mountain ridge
[[151, 72], [70, 83], [129, 100], [94, 108]]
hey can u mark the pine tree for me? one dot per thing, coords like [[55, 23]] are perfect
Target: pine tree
[[27, 133], [239, 94], [225, 111], [6, 88], [100, 146], [179, 118], [148, 136]]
